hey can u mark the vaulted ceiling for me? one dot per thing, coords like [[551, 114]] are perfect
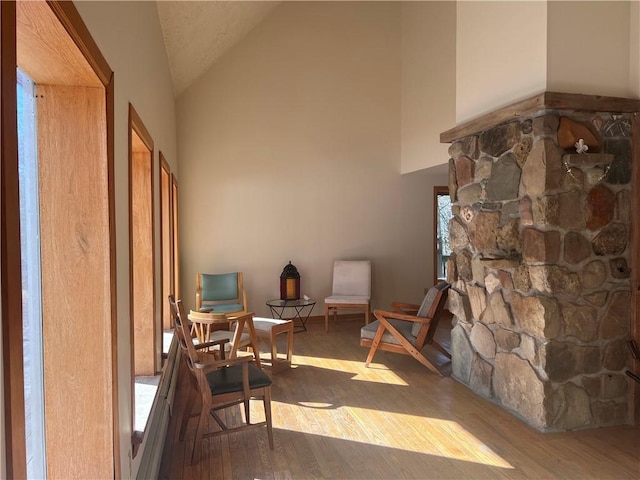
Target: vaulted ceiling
[[197, 33]]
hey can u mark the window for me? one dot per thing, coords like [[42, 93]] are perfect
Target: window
[[176, 258], [142, 276], [442, 215], [31, 277], [65, 179], [166, 247]]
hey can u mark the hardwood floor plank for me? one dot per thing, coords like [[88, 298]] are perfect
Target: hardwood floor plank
[[334, 418]]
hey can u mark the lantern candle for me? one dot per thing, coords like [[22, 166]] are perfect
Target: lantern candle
[[290, 283]]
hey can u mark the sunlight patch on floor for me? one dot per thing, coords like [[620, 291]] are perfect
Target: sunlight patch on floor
[[376, 373], [390, 378], [447, 439], [327, 363], [316, 404]]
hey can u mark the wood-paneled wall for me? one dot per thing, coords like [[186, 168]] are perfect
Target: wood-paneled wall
[[143, 277], [76, 299]]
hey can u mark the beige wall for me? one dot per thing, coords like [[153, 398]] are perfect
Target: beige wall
[[588, 46], [428, 96], [128, 35], [507, 51], [290, 148], [634, 49], [501, 54]]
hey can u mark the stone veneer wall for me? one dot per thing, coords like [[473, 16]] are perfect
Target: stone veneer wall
[[540, 270]]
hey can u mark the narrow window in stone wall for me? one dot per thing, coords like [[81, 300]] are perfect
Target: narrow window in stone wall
[[442, 204]]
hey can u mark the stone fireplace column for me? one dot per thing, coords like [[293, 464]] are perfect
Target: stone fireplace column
[[541, 253]]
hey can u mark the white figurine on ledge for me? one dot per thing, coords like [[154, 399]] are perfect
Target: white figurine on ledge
[[581, 147]]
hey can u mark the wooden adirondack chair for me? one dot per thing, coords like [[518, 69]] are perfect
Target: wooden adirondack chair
[[408, 329]]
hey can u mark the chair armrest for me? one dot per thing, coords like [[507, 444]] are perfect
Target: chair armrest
[[380, 314], [227, 362], [407, 308], [200, 346], [235, 318], [206, 317]]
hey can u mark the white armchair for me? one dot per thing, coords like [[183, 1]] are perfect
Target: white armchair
[[351, 289]]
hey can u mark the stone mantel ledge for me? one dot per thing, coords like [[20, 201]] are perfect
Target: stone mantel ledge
[[587, 159], [539, 103]]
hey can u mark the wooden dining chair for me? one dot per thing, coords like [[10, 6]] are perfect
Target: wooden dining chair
[[220, 384], [407, 329], [238, 331]]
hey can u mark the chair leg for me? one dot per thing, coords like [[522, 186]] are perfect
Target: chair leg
[[186, 414], [267, 415], [422, 359], [374, 345], [367, 312], [326, 318], [197, 441], [247, 410], [441, 349], [290, 345], [274, 349]]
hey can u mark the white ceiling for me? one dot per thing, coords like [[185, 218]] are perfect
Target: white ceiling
[[197, 33]]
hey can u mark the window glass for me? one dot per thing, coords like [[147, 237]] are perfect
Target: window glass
[[31, 277], [443, 248]]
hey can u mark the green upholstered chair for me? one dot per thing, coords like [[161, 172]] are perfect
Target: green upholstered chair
[[221, 293]]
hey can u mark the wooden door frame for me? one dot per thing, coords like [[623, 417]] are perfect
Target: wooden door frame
[[174, 235], [164, 167], [634, 401], [11, 268], [136, 125]]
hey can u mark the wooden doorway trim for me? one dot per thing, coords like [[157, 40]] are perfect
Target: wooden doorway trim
[[13, 370], [11, 276], [634, 404], [166, 242], [142, 269], [175, 260]]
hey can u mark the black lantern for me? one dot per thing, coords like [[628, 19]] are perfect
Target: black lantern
[[289, 283]]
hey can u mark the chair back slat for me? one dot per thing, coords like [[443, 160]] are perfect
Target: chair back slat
[[220, 287], [185, 340], [434, 302], [222, 292], [352, 277]]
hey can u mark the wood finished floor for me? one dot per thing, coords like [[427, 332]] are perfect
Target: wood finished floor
[[335, 419]]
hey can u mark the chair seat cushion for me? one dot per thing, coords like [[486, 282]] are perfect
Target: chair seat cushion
[[404, 327], [229, 379], [357, 299], [222, 308], [266, 324]]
